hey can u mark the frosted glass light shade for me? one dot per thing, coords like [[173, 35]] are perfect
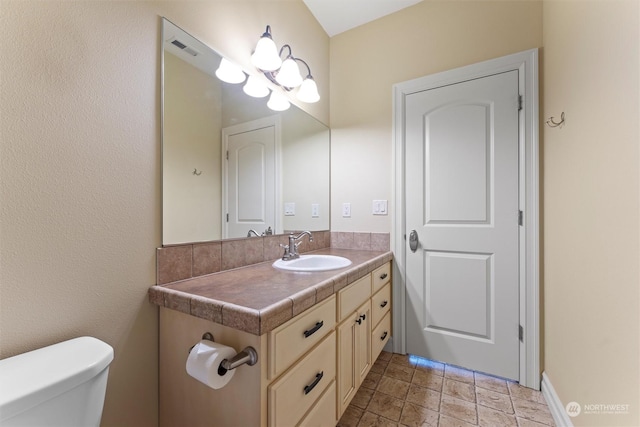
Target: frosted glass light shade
[[278, 102], [266, 55], [230, 72], [308, 91], [289, 74], [254, 87]]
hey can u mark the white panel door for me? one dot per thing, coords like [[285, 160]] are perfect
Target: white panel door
[[250, 182], [462, 201]]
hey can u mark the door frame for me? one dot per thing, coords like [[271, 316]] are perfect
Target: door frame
[[249, 126], [529, 259]]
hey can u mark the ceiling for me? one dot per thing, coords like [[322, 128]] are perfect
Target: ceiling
[[337, 16]]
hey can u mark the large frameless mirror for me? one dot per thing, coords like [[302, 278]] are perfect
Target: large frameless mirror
[[230, 164]]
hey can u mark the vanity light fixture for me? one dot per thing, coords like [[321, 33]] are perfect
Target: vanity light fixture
[[230, 72], [285, 74]]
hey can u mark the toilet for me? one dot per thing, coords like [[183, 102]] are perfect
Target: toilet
[[60, 385]]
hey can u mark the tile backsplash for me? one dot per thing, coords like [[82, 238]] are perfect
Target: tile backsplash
[[182, 262]]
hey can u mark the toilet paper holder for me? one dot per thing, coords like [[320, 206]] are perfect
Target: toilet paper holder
[[247, 356]]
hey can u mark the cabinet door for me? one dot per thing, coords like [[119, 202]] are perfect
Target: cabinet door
[[346, 375], [363, 341], [354, 354]]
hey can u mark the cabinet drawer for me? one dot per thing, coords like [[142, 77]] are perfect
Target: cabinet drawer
[[380, 336], [323, 413], [351, 297], [380, 304], [291, 396], [290, 341], [381, 276]]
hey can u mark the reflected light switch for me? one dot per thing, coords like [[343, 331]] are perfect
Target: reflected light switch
[[289, 209]]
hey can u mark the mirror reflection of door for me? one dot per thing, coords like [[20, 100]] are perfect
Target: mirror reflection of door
[[250, 177]]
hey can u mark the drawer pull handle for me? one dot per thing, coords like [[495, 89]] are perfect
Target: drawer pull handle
[[383, 276], [308, 388], [361, 318], [313, 330], [384, 303], [383, 336]]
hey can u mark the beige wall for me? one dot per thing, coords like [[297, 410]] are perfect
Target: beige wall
[[429, 37], [590, 168], [80, 169], [591, 205]]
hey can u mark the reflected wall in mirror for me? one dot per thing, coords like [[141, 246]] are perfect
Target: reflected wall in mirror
[[229, 163]]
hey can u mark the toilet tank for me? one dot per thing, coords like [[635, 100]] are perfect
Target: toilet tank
[[60, 385]]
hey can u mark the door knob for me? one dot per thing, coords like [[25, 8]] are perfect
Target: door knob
[[413, 240]]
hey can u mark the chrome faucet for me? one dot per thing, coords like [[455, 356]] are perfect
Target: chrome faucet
[[291, 250], [267, 232]]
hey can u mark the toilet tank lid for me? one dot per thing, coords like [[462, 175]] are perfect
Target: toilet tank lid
[[28, 379]]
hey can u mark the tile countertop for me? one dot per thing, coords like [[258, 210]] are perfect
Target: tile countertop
[[259, 298]]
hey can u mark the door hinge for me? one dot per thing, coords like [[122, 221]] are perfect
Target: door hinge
[[227, 155], [520, 218], [227, 217], [520, 333], [520, 101]]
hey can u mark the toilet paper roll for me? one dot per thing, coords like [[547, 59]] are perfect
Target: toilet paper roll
[[205, 359]]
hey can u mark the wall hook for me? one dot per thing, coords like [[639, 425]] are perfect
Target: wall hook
[[195, 172], [553, 124]]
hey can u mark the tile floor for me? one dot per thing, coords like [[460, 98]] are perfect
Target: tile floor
[[410, 391]]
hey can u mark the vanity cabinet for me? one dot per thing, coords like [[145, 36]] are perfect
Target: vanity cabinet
[[308, 371]]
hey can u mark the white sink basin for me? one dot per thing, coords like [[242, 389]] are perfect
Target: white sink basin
[[313, 263]]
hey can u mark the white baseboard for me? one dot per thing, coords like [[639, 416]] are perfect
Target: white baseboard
[[560, 416]]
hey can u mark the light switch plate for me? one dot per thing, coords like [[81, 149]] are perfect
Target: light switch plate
[[315, 210], [379, 207], [289, 209]]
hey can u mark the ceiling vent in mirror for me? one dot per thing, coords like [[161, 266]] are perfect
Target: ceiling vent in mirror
[[174, 41]]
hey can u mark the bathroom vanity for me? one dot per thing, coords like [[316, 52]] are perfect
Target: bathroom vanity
[[316, 334]]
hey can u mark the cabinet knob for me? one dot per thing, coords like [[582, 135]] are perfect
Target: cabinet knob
[[383, 276], [384, 303]]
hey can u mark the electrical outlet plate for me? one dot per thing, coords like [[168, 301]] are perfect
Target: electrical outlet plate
[[346, 210], [315, 210]]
